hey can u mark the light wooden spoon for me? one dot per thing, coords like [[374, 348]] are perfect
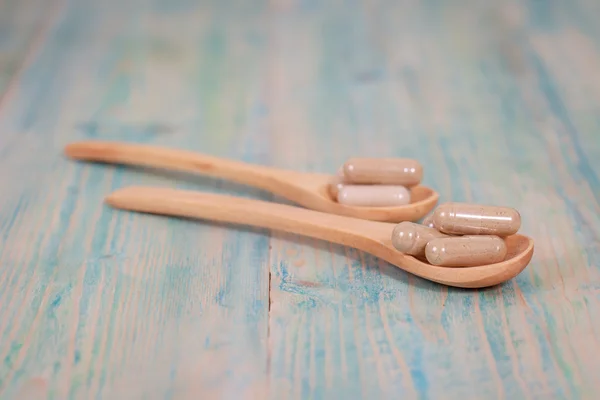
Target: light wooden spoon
[[369, 236], [306, 189]]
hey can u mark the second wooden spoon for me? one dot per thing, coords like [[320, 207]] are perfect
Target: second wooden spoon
[[369, 236], [306, 189]]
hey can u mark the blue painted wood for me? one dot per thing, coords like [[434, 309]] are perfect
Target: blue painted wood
[[500, 104]]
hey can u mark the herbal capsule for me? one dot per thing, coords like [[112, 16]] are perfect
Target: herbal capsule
[[411, 238], [383, 171], [466, 251], [476, 219], [337, 183], [373, 195], [428, 221]]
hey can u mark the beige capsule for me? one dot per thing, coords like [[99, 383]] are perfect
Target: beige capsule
[[373, 195], [466, 251], [428, 221], [336, 184], [476, 219], [383, 171], [411, 238]]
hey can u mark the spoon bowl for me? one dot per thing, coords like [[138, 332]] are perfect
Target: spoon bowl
[[309, 190], [370, 236]]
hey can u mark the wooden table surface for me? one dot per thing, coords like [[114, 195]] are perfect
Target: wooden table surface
[[500, 103]]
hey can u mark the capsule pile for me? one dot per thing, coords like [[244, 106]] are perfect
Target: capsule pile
[[376, 182], [459, 235]]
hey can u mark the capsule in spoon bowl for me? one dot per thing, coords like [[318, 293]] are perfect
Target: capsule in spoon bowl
[[466, 251], [373, 195], [336, 184], [411, 238], [428, 221], [476, 219], [383, 171]]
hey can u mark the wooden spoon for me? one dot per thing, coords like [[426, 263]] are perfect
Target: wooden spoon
[[306, 189], [369, 236]]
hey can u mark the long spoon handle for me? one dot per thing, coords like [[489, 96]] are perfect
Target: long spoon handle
[[353, 232], [271, 179]]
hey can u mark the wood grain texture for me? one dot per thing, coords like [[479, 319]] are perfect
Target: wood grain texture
[[500, 103]]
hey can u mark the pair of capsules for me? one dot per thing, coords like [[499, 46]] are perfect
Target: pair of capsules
[[459, 235], [376, 182]]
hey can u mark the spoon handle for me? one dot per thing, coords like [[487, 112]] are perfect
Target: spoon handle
[[346, 231], [270, 179]]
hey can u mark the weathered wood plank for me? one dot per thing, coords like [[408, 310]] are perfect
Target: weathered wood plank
[[23, 27], [97, 303], [500, 103], [473, 98]]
